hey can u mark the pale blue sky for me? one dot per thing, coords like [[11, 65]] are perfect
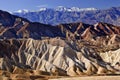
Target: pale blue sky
[[13, 5]]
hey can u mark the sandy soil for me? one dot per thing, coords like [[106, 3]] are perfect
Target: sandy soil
[[91, 78]]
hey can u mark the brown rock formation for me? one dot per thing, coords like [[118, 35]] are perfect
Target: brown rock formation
[[55, 55], [32, 50]]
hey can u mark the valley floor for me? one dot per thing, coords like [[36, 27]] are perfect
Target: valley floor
[[91, 78]]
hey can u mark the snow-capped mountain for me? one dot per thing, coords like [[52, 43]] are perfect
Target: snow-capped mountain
[[59, 8], [62, 14], [22, 11], [75, 9], [42, 9]]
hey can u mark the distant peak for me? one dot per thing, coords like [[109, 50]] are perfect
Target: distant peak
[[77, 9], [42, 9], [22, 11], [61, 8]]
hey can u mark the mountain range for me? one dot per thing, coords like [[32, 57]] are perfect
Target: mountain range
[[33, 50], [69, 15]]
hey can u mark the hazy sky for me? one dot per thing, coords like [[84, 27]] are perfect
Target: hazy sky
[[14, 5]]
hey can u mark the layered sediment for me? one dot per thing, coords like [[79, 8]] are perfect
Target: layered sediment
[[57, 55]]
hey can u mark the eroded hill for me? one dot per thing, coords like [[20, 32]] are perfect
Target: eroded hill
[[31, 50]]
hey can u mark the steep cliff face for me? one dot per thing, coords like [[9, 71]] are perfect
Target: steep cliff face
[[57, 55]]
